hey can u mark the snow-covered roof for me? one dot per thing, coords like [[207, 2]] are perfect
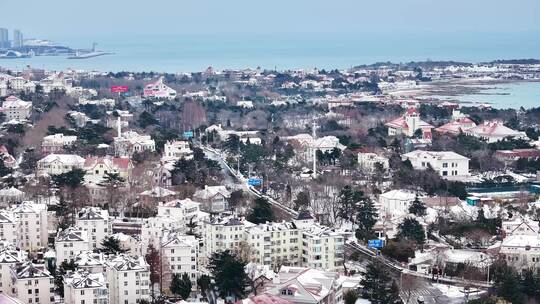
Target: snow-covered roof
[[124, 262], [434, 155], [403, 195], [81, 280], [71, 159], [92, 213], [72, 234]]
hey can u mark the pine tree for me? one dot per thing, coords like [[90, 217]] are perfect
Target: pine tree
[[301, 201], [203, 283], [411, 229], [348, 202], [417, 207], [365, 219], [229, 274], [378, 286], [181, 285], [154, 261], [111, 245], [350, 297], [262, 212]]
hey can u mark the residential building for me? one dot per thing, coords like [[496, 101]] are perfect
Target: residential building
[[128, 279], [97, 168], [56, 143], [275, 244], [95, 221], [8, 227], [521, 251], [448, 164], [32, 224], [158, 90], [396, 200], [177, 149], [10, 256], [90, 262], [69, 243], [32, 283], [85, 288], [306, 286], [408, 124], [17, 83], [182, 211], [131, 142], [11, 195], [368, 161], [181, 255], [213, 199], [520, 226], [493, 131], [4, 38], [54, 164], [16, 109], [9, 160]]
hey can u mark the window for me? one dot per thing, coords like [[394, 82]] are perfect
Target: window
[[445, 165], [82, 292], [445, 173]]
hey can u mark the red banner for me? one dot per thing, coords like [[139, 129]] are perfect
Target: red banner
[[119, 89]]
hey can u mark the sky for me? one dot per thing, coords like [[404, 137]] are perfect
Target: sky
[[64, 20]]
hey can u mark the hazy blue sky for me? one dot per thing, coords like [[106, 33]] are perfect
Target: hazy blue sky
[[68, 19]]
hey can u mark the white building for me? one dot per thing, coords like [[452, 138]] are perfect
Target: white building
[[367, 161], [16, 109], [448, 164], [177, 149], [181, 254], [57, 143], [10, 256], [521, 251], [91, 262], [54, 164], [32, 283], [493, 131], [81, 287], [8, 227], [181, 211], [128, 279], [132, 142], [396, 201], [519, 226], [158, 90], [32, 222], [214, 199], [69, 243], [95, 221], [97, 168]]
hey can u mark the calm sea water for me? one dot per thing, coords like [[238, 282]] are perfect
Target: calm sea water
[[287, 51], [503, 96], [195, 53]]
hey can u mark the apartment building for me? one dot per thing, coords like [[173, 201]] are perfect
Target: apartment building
[[95, 221], [181, 255], [85, 288], [32, 221], [32, 283], [69, 243], [128, 279], [16, 109]]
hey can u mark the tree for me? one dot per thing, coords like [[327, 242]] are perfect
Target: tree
[[181, 285], [228, 273], [417, 207], [262, 212], [203, 282], [411, 229], [71, 179], [154, 261], [111, 245], [302, 201], [378, 286], [147, 119], [366, 218], [59, 274], [350, 297], [347, 201]]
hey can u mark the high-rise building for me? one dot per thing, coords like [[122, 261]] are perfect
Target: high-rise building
[[4, 38], [17, 39]]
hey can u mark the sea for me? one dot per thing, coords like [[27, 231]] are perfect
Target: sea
[[287, 51]]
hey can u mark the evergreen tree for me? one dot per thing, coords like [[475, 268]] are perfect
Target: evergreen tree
[[203, 283], [350, 297], [111, 245], [181, 285], [417, 207], [154, 261], [366, 218], [301, 201], [411, 229], [229, 274], [378, 286], [347, 203], [262, 212], [71, 179]]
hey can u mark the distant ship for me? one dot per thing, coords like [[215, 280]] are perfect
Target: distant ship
[[89, 54]]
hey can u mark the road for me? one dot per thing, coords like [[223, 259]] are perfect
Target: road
[[426, 289]]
